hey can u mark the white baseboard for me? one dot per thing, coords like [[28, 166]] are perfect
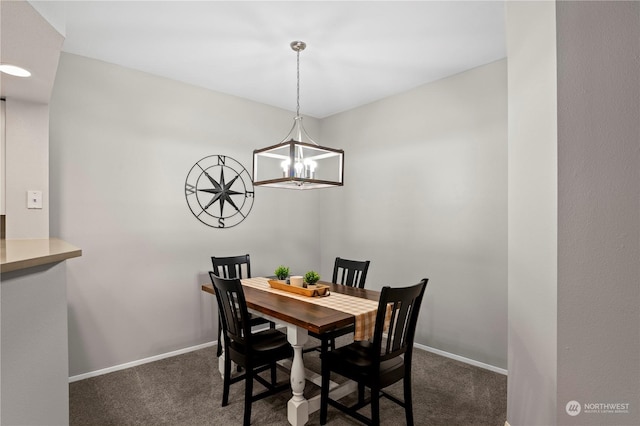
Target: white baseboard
[[209, 344], [462, 359], [140, 362], [506, 423]]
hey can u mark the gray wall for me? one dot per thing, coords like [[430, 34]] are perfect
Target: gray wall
[[574, 228], [532, 213], [27, 148], [426, 196], [122, 143], [34, 368], [599, 209]]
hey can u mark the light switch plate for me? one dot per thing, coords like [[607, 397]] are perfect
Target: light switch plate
[[34, 199]]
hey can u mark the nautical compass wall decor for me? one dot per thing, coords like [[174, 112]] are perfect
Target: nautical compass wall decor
[[219, 191]]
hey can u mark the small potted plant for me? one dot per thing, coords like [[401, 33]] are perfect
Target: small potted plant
[[311, 277], [282, 272]]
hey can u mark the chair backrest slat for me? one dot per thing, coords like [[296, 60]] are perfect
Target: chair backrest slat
[[352, 273]]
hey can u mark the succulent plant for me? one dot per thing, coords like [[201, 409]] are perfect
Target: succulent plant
[[311, 277], [282, 272]]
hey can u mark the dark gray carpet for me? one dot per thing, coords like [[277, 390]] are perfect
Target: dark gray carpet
[[187, 390]]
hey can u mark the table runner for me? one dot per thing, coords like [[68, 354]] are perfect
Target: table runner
[[364, 310]]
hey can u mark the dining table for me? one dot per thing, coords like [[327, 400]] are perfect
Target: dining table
[[343, 307]]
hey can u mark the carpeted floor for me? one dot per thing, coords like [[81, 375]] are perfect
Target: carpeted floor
[[187, 390]]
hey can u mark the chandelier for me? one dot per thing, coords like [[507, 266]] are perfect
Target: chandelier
[[298, 162]]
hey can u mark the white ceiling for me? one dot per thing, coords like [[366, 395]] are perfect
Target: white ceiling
[[357, 52], [28, 41]]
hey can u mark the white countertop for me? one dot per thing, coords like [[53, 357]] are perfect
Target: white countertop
[[22, 254]]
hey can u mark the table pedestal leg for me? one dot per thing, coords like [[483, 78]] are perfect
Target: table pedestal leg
[[298, 406], [234, 367], [221, 364]]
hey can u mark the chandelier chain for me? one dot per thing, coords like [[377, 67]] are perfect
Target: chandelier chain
[[298, 84]]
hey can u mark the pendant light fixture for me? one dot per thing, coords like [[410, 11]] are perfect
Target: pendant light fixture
[[298, 162]]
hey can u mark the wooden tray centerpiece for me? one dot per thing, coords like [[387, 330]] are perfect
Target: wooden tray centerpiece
[[316, 290]]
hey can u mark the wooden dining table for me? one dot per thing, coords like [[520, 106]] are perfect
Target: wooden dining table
[[300, 317]]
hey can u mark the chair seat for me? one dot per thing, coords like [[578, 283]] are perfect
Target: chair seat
[[355, 362], [328, 339], [266, 346], [256, 320], [334, 333]]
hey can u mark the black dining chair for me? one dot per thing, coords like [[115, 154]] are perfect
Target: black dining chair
[[352, 273], [234, 267], [254, 352], [381, 362]]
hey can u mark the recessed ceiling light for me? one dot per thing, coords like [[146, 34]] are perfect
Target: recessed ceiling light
[[14, 70]]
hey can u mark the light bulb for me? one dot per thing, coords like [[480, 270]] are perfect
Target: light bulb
[[310, 168], [285, 167]]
